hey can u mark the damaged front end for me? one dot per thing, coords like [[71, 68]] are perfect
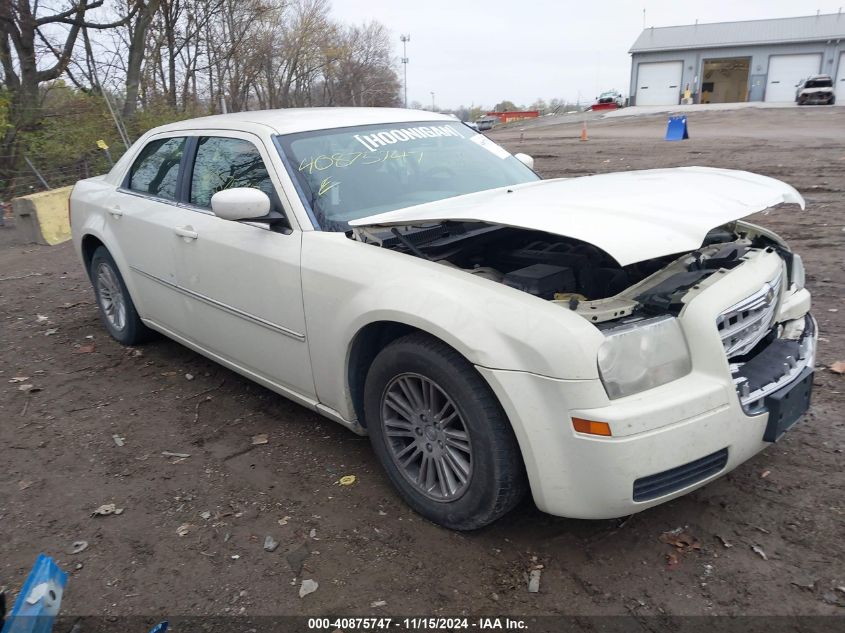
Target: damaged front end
[[817, 97], [816, 90], [616, 250], [769, 346], [766, 379]]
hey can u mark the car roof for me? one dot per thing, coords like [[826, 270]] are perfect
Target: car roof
[[290, 120], [815, 77]]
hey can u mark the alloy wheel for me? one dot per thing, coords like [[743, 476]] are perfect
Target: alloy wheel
[[427, 437], [110, 293]]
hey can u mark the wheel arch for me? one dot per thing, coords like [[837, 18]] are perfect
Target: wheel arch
[[363, 349], [90, 243], [369, 340]]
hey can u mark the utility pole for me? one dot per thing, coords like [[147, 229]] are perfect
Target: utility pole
[[432, 102], [405, 39]]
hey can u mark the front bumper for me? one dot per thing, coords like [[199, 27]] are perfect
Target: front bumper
[[686, 423], [816, 98]]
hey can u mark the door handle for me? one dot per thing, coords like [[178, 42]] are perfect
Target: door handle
[[115, 212], [187, 232]]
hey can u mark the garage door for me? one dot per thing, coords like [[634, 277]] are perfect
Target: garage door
[[659, 83], [839, 86], [785, 71]]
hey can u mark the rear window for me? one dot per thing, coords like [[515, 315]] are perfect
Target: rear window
[[156, 170]]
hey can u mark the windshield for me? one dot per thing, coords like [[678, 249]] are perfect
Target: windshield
[[819, 83], [348, 173]]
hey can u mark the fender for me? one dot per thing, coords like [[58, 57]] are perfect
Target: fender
[[85, 223], [491, 325]]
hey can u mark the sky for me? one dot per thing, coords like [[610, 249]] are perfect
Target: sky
[[482, 52]]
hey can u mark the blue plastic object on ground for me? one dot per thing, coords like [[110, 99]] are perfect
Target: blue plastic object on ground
[[39, 600], [677, 129]]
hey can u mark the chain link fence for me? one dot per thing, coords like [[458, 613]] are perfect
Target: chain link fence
[[76, 137]]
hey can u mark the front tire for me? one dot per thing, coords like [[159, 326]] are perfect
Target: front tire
[[441, 435], [117, 311]]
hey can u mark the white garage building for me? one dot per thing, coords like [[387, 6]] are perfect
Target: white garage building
[[756, 60]]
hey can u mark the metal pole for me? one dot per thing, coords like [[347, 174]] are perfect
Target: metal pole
[[117, 122], [40, 177], [405, 39], [432, 102]]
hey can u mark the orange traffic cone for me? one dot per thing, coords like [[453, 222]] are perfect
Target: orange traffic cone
[[584, 131]]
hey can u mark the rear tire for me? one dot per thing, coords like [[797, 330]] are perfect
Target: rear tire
[[117, 311], [441, 435]]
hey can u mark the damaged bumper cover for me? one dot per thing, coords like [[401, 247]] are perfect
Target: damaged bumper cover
[[707, 428], [815, 98], [777, 365]]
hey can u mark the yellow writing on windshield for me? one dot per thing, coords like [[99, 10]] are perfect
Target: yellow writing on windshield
[[327, 185], [347, 159]]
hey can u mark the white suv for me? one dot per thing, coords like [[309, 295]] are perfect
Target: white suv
[[590, 339]]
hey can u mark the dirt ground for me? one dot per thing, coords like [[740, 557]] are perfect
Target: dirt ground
[[360, 542]]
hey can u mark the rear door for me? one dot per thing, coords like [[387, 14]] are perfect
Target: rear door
[[786, 72], [242, 280], [143, 218]]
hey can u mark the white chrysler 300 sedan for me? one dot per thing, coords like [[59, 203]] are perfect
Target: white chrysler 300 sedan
[[610, 342]]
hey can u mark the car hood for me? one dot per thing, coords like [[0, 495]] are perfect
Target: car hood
[[808, 91], [633, 216]]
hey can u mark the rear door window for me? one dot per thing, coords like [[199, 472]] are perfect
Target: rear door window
[[223, 163], [156, 170]]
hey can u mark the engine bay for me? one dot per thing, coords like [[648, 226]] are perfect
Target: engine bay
[[576, 274]]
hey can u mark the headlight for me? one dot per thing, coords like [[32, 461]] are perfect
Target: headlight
[[797, 272], [643, 355]]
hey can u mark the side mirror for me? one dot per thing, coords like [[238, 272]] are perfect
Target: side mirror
[[240, 203], [525, 159]]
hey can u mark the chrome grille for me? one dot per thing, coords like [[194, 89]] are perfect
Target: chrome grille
[[743, 325]]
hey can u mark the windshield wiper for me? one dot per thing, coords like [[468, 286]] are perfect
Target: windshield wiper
[[408, 244]]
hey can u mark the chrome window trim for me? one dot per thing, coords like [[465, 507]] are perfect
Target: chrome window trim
[[172, 203]]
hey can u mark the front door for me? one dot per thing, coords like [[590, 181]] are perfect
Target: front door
[[242, 281]]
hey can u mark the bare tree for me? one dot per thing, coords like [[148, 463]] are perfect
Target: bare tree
[[365, 75], [137, 40], [171, 58], [23, 23]]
